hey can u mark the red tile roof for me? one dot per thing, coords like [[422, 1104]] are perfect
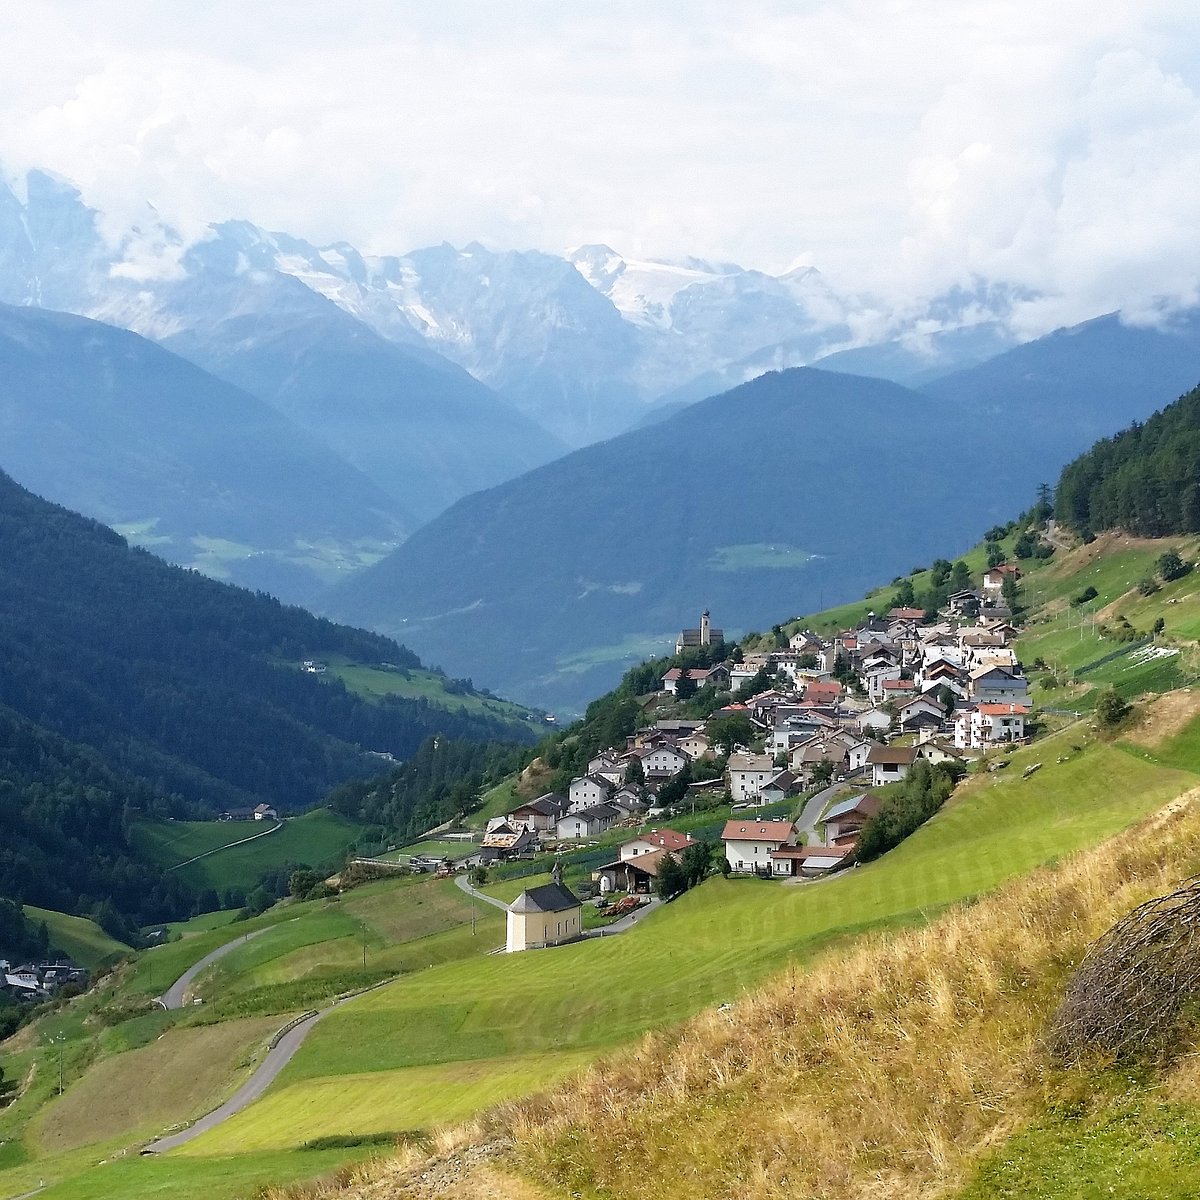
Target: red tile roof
[[756, 831]]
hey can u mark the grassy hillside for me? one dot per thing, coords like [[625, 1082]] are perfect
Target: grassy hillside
[[83, 940], [485, 1018], [409, 683], [460, 1029], [314, 839], [941, 1026], [157, 1069]]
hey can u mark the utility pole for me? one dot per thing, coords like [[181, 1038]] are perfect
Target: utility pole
[[364, 937], [56, 1041]]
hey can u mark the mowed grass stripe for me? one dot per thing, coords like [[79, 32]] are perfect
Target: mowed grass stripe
[[383, 1102]]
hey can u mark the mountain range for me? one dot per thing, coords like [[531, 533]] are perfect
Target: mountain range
[[780, 496], [582, 343]]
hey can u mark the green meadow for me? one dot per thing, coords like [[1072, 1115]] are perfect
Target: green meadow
[[316, 838], [491, 1017], [80, 939]]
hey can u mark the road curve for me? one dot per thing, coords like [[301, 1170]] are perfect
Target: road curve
[[173, 997], [266, 1073], [463, 883]]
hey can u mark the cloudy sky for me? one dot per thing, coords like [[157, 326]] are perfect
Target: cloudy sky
[[899, 146]]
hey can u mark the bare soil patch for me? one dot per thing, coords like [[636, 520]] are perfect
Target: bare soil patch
[[1165, 716]]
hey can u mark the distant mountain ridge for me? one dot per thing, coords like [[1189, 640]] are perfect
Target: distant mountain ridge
[[114, 426], [583, 344], [422, 427], [783, 495]]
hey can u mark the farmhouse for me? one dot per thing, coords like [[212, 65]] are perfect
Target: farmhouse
[[544, 916], [889, 764], [748, 844], [846, 819]]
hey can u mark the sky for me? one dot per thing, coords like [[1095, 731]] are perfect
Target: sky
[[900, 147]]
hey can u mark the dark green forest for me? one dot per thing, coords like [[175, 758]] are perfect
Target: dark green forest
[[182, 680], [128, 686], [1145, 479]]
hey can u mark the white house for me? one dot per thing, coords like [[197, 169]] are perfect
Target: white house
[[587, 822], [990, 725], [656, 839], [662, 762], [748, 844], [748, 773], [587, 791], [890, 764]]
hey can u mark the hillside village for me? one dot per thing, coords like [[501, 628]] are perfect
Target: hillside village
[[813, 722]]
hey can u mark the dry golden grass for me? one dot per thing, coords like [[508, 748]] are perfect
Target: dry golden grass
[[884, 1071]]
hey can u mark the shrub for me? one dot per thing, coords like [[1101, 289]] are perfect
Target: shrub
[[1088, 593], [1147, 586], [1171, 566], [1131, 994], [1111, 708]]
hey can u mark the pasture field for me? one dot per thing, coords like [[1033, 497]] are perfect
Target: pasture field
[[314, 839], [437, 848], [409, 683], [80, 939], [710, 945], [129, 1081]]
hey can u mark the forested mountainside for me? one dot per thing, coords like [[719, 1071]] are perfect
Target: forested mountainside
[[185, 681], [1145, 480], [111, 425], [798, 489], [65, 815]]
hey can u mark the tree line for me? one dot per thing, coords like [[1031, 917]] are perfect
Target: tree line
[[1145, 479]]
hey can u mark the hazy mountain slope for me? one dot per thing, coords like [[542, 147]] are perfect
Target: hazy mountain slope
[[425, 432], [421, 426], [1104, 371], [181, 679], [110, 424], [794, 489]]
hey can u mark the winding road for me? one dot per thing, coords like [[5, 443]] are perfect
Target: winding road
[[264, 1075], [175, 996]]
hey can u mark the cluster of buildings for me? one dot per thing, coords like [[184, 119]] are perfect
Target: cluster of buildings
[[865, 704], [33, 982]]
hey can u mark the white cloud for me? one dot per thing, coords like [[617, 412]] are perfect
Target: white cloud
[[900, 146]]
